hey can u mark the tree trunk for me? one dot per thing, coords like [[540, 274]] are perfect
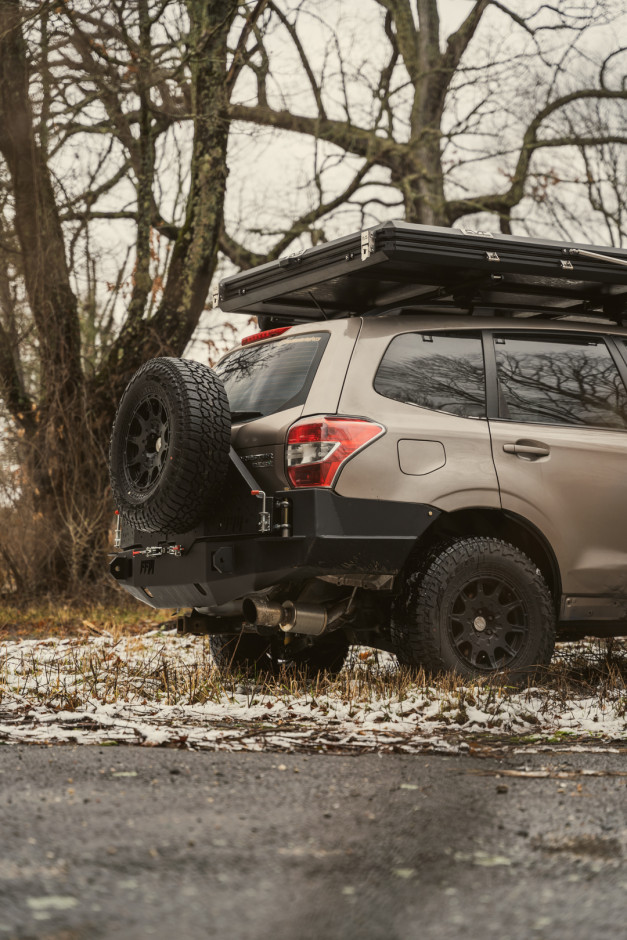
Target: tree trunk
[[194, 254], [419, 178], [64, 432], [60, 461]]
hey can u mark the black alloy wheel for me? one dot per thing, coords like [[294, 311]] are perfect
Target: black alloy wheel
[[147, 443], [487, 623]]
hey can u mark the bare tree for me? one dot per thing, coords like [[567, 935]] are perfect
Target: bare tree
[[513, 116], [71, 74]]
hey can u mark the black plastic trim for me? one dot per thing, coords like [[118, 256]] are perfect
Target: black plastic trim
[[618, 356], [491, 375], [577, 607]]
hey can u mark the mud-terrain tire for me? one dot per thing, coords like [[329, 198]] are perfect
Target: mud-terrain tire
[[478, 607], [249, 653], [170, 443]]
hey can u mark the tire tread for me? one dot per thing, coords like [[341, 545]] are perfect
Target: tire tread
[[414, 631], [202, 412]]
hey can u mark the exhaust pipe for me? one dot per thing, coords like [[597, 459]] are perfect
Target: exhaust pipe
[[310, 619], [261, 613], [307, 619]]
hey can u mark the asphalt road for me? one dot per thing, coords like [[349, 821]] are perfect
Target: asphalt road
[[135, 842]]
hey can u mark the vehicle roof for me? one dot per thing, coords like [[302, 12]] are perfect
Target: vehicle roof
[[423, 322], [427, 269]]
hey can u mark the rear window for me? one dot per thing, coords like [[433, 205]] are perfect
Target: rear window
[[263, 379]]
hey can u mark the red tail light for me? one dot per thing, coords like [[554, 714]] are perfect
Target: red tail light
[[318, 447], [265, 334]]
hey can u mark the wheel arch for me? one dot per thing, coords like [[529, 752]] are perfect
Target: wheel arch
[[480, 521]]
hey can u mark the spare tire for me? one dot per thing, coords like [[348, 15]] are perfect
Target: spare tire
[[170, 444]]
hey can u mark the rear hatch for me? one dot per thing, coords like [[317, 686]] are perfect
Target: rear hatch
[[274, 380]]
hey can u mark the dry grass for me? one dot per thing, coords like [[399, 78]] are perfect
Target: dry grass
[[73, 655], [71, 618], [154, 668], [159, 689], [176, 671], [590, 667]]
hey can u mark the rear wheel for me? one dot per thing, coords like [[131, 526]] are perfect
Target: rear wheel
[[247, 652], [476, 606]]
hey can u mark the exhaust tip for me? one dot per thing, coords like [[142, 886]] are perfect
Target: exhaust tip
[[261, 613], [308, 619], [249, 610]]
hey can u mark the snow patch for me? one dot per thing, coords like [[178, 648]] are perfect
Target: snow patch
[[149, 690]]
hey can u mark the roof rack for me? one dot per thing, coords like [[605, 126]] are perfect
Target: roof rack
[[417, 268]]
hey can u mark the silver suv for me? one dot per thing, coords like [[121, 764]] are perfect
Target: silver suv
[[449, 487]]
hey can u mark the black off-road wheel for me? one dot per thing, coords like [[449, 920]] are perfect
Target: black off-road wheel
[[478, 607], [252, 654], [170, 443]]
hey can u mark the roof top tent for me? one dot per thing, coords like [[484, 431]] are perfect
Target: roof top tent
[[418, 268]]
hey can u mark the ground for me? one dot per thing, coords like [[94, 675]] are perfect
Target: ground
[[378, 804], [114, 613], [133, 842]]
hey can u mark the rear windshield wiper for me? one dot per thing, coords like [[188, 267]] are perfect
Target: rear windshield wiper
[[245, 415]]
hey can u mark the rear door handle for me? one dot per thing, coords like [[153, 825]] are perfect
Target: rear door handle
[[531, 450]]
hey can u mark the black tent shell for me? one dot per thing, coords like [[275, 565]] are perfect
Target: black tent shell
[[400, 266]]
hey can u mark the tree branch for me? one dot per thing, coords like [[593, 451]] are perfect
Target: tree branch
[[357, 140], [458, 41], [504, 202], [303, 58], [406, 34], [193, 256], [239, 56], [244, 258], [241, 256]]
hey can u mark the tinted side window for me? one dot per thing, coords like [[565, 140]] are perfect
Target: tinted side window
[[263, 379], [559, 380], [441, 371]]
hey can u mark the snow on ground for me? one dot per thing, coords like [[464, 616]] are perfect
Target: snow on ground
[[163, 690]]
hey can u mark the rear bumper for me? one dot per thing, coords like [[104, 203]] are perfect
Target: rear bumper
[[330, 535]]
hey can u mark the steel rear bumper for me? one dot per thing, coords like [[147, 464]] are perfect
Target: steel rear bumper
[[330, 535]]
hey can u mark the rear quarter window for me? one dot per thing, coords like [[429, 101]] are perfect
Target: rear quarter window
[[439, 371], [269, 377]]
